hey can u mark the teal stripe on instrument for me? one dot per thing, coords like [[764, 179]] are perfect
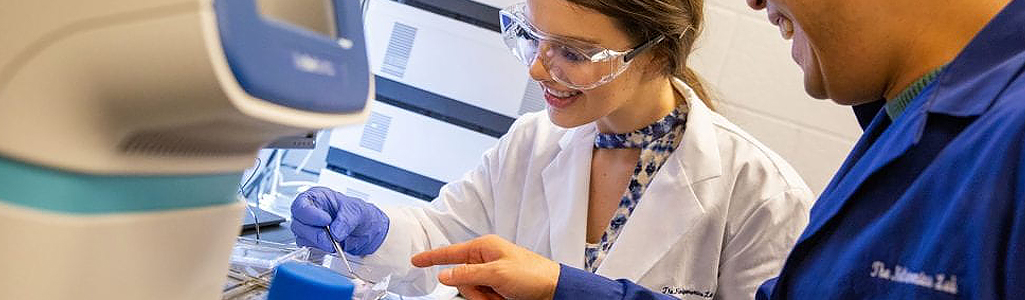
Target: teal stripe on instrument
[[63, 192]]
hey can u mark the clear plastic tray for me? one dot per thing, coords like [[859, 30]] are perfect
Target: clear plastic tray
[[265, 255], [365, 290], [253, 263], [252, 267]]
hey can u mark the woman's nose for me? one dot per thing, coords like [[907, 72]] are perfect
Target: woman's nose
[[538, 71]]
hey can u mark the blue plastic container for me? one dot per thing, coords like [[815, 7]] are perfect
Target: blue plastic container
[[294, 281]]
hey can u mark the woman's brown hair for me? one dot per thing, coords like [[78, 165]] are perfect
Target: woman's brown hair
[[680, 21]]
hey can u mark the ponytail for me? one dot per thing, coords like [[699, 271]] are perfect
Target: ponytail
[[692, 79]]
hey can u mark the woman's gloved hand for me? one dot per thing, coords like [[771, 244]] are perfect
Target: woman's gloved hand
[[359, 226]]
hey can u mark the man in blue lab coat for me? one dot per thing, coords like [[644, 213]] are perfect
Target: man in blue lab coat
[[929, 204]]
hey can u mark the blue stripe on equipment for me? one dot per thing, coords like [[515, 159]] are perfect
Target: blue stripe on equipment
[[74, 193]]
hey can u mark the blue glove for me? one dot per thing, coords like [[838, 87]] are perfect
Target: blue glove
[[359, 226]]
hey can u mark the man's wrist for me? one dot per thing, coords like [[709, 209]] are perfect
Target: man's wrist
[[553, 285], [579, 284]]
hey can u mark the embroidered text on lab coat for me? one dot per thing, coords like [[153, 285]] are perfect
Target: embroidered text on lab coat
[[672, 290], [940, 282]]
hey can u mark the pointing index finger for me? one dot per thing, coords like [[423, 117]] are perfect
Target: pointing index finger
[[463, 253]]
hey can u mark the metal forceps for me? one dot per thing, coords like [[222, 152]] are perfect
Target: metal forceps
[[341, 254]]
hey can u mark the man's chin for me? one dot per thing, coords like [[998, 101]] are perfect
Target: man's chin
[[852, 102], [815, 89], [846, 101]]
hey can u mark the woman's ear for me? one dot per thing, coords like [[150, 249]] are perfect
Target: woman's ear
[[652, 65]]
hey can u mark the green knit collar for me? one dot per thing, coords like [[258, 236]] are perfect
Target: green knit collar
[[896, 106]]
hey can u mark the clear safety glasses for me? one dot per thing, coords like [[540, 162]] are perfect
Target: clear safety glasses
[[576, 64]]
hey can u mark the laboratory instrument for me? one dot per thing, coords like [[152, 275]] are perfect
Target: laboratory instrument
[[459, 115], [125, 127]]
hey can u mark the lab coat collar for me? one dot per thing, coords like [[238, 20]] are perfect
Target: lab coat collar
[[966, 88], [566, 183], [985, 67], [666, 212], [866, 113], [566, 186], [700, 148], [576, 134], [669, 208], [855, 171]]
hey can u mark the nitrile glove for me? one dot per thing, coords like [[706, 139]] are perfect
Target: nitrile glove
[[359, 226]]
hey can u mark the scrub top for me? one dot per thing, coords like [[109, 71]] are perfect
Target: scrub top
[[927, 206]]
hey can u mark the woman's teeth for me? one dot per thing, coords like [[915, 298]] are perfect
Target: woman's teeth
[[562, 94]]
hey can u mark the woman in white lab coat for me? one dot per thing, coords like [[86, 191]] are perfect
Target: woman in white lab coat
[[628, 174]]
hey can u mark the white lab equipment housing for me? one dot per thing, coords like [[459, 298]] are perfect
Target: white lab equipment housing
[[447, 89], [97, 91]]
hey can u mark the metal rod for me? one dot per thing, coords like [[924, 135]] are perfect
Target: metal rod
[[338, 250]]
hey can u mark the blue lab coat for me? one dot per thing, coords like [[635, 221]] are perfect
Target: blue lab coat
[[928, 206]]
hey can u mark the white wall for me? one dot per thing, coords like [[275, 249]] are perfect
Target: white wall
[[760, 88]]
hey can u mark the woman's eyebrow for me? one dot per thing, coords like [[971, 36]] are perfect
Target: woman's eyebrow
[[580, 39], [564, 36]]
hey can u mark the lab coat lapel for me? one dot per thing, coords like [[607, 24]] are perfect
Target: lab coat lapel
[[867, 163], [669, 207], [566, 182], [992, 57]]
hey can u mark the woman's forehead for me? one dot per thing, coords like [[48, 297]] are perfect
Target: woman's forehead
[[563, 19]]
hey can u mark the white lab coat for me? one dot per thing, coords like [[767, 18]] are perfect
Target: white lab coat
[[719, 217]]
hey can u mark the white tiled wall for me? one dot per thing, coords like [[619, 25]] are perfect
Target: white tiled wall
[[760, 88]]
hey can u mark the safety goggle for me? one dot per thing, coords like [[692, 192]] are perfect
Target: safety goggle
[[576, 64]]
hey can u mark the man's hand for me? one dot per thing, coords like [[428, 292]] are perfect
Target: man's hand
[[493, 268]]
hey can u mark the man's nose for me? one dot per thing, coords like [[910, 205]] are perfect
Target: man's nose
[[756, 4]]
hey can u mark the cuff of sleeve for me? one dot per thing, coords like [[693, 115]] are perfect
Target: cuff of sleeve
[[579, 284], [388, 258], [393, 257]]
